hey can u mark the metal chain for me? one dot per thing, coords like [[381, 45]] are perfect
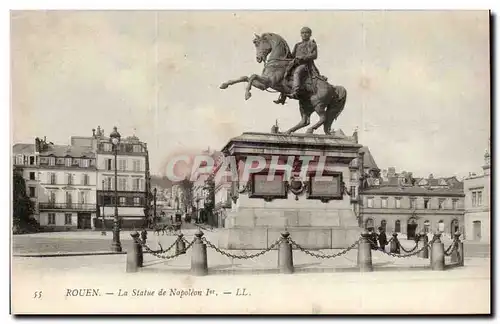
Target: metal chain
[[451, 248], [322, 256], [242, 257], [410, 254], [167, 257], [160, 251], [405, 250]]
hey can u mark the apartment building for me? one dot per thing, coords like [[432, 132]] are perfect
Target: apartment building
[[132, 163], [61, 182]]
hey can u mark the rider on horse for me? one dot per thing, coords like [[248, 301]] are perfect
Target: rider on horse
[[304, 54]]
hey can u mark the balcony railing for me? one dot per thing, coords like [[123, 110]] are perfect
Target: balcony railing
[[72, 206]]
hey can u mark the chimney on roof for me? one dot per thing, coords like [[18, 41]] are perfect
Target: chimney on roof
[[37, 145], [431, 176], [391, 172]]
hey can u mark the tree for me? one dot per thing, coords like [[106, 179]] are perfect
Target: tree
[[210, 200], [23, 207], [187, 194]]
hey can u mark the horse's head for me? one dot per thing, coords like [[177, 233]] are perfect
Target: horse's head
[[269, 42], [262, 46]]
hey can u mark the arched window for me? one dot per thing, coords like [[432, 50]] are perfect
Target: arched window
[[397, 226]]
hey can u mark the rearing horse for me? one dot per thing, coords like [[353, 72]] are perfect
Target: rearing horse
[[328, 101]]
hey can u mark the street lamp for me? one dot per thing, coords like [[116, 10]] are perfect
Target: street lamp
[[154, 206], [115, 141], [103, 232]]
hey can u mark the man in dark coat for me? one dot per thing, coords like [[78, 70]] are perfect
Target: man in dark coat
[[373, 238], [382, 239]]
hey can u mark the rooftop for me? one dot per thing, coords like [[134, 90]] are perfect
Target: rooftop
[[413, 190], [68, 151]]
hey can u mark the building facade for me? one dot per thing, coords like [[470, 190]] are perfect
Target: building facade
[[72, 186], [477, 204], [61, 182], [409, 210], [132, 161]]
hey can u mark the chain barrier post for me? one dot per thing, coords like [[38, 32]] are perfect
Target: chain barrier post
[[365, 253], [180, 245], [437, 256], [394, 246], [461, 253], [423, 240], [134, 255], [285, 254], [199, 256]]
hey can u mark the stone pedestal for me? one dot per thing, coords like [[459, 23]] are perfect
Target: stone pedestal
[[318, 215]]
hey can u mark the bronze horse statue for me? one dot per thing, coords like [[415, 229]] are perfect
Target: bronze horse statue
[[327, 100]]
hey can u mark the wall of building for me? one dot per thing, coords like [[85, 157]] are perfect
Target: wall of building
[[433, 215], [477, 211]]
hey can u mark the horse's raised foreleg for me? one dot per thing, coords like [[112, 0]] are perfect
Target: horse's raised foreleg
[[321, 111], [231, 82], [256, 81]]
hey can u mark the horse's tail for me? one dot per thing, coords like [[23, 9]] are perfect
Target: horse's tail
[[335, 106]]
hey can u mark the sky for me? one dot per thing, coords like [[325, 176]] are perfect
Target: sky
[[418, 83]]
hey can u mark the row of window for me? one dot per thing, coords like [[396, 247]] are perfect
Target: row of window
[[122, 165], [69, 178], [411, 222], [137, 184], [82, 197], [108, 200], [68, 219], [122, 147], [52, 161], [122, 201], [413, 203]]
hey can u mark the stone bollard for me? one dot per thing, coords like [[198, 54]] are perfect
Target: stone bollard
[[199, 256], [134, 255], [285, 255], [455, 257], [437, 256], [394, 246], [365, 253], [180, 246], [461, 254], [423, 240]]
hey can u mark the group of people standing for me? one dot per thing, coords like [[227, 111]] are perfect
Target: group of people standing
[[377, 241]]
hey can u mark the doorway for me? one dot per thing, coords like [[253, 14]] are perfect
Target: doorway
[[84, 221], [476, 230], [411, 228]]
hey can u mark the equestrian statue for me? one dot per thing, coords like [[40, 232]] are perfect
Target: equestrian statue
[[295, 76]]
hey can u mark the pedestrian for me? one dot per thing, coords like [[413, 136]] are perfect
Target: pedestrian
[[144, 235], [373, 238], [382, 238]]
